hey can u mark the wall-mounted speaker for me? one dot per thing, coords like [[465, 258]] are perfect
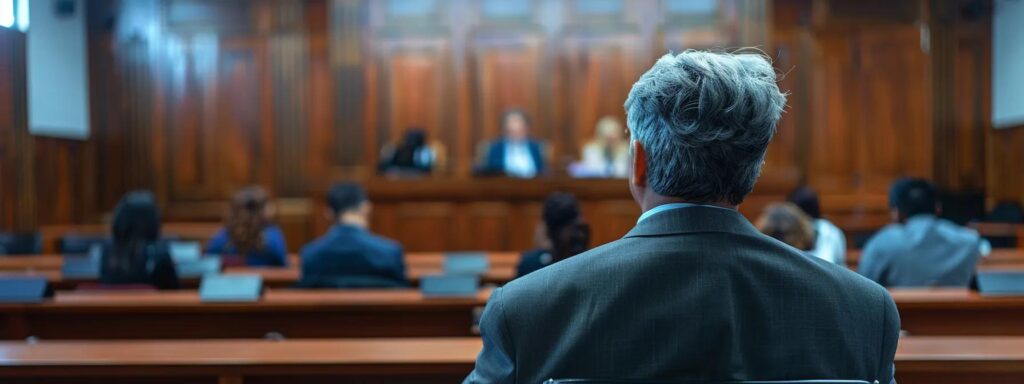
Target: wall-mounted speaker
[[64, 8]]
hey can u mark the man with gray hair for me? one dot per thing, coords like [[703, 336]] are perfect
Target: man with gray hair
[[693, 291]]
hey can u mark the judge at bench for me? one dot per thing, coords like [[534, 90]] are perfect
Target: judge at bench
[[515, 154], [348, 255], [693, 291]]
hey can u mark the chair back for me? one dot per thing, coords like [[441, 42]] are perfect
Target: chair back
[[101, 287], [75, 244], [349, 282], [21, 243]]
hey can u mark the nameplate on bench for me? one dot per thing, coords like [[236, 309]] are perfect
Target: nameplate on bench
[[466, 263], [209, 265], [1001, 283], [185, 251], [85, 267], [450, 285], [27, 289], [230, 288]]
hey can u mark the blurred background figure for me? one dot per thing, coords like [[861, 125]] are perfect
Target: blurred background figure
[[829, 240], [920, 249], [515, 154], [414, 155], [137, 257], [607, 154], [567, 234], [348, 255], [787, 223], [249, 237]]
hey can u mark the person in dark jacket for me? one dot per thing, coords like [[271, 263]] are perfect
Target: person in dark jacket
[[515, 154], [137, 256], [693, 292], [349, 255], [565, 230]]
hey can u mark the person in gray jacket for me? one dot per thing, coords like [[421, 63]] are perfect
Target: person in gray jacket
[[693, 291], [920, 249]]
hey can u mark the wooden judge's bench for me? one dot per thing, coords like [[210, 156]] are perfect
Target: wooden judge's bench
[[501, 214], [439, 214]]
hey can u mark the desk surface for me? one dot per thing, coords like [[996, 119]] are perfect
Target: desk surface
[[241, 352], [385, 351]]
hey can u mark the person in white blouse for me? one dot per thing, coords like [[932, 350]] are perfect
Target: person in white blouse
[[829, 240]]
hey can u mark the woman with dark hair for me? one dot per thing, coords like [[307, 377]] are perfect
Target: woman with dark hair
[[137, 256], [249, 233], [566, 234]]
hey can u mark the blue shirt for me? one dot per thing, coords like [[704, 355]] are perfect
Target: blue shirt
[[926, 251], [671, 206], [273, 254]]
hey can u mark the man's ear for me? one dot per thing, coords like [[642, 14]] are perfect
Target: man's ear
[[639, 174]]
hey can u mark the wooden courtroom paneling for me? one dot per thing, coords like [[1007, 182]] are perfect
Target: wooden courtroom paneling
[[196, 98]]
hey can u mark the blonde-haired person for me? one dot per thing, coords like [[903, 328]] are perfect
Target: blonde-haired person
[[607, 155], [787, 223]]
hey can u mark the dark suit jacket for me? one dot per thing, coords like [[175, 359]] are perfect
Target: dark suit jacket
[[693, 293], [496, 156], [348, 251]]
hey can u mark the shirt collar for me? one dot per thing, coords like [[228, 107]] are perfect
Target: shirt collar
[[671, 206]]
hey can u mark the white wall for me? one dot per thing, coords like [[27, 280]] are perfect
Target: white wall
[[58, 88], [1008, 64]]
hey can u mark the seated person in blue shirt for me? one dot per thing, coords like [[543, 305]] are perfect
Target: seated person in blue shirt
[[920, 249], [348, 255], [567, 234], [248, 236], [515, 154], [136, 255]]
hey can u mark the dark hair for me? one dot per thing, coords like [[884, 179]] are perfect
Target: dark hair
[[135, 229], [345, 196], [568, 234], [515, 111], [405, 153], [912, 197], [247, 218], [807, 200]]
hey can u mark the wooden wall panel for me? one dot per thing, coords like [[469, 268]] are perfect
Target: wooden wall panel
[[17, 189], [196, 98], [895, 132]]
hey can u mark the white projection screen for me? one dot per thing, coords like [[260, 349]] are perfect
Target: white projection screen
[[1008, 64], [58, 88]]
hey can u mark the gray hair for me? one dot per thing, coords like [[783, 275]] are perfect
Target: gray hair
[[705, 120]]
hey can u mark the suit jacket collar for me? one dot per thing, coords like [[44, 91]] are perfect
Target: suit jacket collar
[[693, 219]]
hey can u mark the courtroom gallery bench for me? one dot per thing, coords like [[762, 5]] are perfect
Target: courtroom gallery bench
[[288, 313], [919, 360]]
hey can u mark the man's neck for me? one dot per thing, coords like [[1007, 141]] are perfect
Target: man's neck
[[353, 220]]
